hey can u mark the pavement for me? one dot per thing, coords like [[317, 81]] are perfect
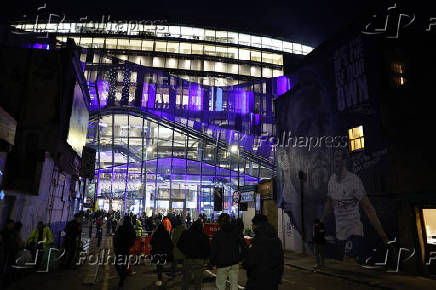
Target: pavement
[[298, 274], [356, 274]]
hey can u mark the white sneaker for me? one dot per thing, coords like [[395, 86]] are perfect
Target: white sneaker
[[158, 283]]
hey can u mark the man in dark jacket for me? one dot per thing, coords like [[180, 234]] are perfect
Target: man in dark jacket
[[73, 232], [194, 244], [318, 240], [124, 239], [228, 248], [264, 261], [161, 250]]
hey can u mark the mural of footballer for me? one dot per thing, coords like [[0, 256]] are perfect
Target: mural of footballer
[[345, 194]]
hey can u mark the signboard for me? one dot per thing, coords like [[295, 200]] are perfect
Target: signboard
[[247, 196], [247, 188], [211, 229]]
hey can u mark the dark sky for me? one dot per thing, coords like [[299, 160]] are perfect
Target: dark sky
[[306, 21]]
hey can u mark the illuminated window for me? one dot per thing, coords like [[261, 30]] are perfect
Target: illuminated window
[[147, 45], [123, 43], [135, 44], [111, 43], [161, 46], [173, 47], [185, 48], [430, 225], [197, 49], [256, 55], [398, 74], [355, 135], [244, 54]]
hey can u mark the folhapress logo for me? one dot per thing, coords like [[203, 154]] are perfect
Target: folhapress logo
[[389, 24]]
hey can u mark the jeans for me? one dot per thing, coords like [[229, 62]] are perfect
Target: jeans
[[193, 270], [319, 254], [221, 277]]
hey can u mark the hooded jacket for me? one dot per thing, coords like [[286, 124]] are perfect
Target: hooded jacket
[[124, 239], [264, 261], [194, 243], [228, 247], [161, 242]]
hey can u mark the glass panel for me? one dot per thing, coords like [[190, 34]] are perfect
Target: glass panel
[[161, 46], [185, 48], [173, 47], [256, 55], [197, 48], [244, 54], [111, 43]]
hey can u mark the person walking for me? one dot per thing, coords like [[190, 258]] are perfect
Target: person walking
[[178, 256], [109, 225], [167, 223], [188, 220], [161, 250], [10, 248], [264, 261], [318, 241], [194, 244], [73, 231], [227, 251], [124, 239], [91, 221]]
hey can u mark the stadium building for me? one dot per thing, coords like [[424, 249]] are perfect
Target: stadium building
[[177, 113]]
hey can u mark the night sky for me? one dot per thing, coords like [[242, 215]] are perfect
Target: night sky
[[309, 22]]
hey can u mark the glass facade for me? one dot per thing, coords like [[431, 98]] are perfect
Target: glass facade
[[204, 56], [144, 165], [165, 142]]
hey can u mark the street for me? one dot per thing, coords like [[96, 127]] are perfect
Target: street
[[104, 277]]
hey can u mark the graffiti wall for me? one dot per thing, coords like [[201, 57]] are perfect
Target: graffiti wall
[[318, 176]]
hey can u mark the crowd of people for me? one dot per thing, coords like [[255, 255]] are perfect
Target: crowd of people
[[175, 240]]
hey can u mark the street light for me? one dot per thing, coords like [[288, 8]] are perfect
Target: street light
[[234, 148]]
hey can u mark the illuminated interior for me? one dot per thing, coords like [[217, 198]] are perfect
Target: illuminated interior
[[204, 56], [164, 143], [430, 225], [356, 138]]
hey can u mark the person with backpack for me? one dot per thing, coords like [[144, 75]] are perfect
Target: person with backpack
[[227, 251]]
